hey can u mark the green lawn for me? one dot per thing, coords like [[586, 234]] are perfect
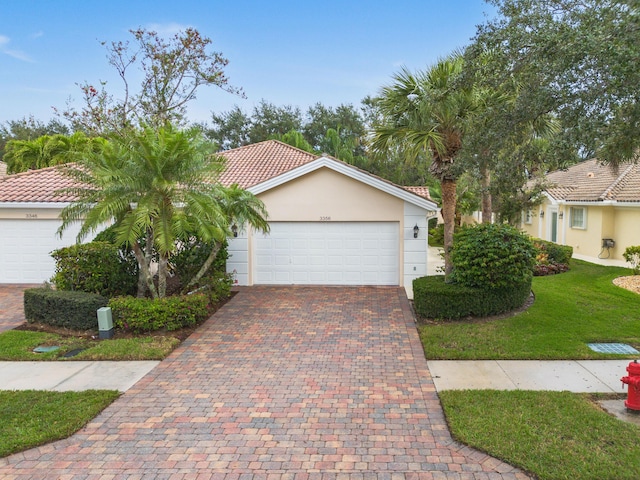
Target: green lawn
[[18, 345], [31, 418], [554, 435], [570, 310]]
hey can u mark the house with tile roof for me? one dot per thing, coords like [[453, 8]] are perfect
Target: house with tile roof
[[592, 207], [330, 223]]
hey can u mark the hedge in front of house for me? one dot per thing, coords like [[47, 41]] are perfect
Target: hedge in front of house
[[433, 298], [96, 267], [148, 315], [555, 253], [62, 308]]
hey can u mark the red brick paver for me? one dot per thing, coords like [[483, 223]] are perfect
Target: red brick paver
[[304, 383], [11, 306]]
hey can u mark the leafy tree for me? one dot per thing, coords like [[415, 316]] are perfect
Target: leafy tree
[[344, 119], [268, 120], [575, 58], [28, 129], [48, 150], [158, 186], [172, 71], [426, 111], [230, 129]]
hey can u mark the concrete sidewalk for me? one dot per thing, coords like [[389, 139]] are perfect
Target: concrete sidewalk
[[587, 376], [72, 375]]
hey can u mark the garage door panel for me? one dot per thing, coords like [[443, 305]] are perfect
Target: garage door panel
[[26, 251], [355, 253]]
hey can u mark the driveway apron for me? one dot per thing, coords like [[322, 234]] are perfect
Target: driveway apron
[[281, 383]]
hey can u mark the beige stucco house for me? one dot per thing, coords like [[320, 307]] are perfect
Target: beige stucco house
[[330, 223], [592, 207]]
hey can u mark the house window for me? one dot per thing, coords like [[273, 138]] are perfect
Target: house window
[[578, 217], [528, 217]]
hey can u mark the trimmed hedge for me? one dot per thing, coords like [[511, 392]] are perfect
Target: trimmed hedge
[[170, 313], [433, 298], [61, 308], [95, 267], [555, 253]]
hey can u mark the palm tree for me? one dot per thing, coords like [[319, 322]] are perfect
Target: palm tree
[[157, 186], [47, 150], [426, 111]]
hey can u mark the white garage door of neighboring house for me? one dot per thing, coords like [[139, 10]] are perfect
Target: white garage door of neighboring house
[[26, 247], [328, 253]]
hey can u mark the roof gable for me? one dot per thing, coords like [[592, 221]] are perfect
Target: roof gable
[[591, 181], [349, 171]]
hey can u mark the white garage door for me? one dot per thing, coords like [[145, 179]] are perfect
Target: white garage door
[[26, 247], [328, 253]]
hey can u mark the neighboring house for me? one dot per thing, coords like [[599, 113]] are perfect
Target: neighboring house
[[331, 223], [592, 207]]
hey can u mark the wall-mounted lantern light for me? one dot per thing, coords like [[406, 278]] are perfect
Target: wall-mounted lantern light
[[561, 215], [541, 213], [234, 229], [416, 230]]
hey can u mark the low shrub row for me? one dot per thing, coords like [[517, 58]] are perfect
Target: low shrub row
[[61, 308], [554, 253], [140, 315], [433, 298]]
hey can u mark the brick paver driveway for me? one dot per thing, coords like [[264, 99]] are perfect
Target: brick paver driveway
[[11, 306], [282, 383]]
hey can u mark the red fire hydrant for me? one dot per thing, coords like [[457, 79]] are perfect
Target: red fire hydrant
[[633, 380]]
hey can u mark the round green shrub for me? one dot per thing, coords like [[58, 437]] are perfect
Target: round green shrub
[[94, 267], [492, 256]]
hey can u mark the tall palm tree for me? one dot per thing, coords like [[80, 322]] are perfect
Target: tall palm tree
[[157, 186], [426, 111]]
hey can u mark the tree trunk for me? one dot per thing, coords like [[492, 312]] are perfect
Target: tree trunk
[[162, 275], [448, 187], [145, 272], [205, 266], [487, 207]]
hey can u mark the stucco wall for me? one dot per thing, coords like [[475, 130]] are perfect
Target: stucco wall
[[618, 222], [325, 195], [328, 196]]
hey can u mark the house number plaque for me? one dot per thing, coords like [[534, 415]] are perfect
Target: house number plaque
[[325, 219], [31, 215]]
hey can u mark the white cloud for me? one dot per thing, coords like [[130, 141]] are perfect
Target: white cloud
[[167, 28], [37, 34], [18, 54]]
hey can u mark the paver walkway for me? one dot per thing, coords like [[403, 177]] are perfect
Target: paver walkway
[[281, 383], [11, 306]]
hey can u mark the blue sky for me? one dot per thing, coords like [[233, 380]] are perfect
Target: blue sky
[[286, 52]]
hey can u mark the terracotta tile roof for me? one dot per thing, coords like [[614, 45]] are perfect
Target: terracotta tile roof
[[420, 191], [246, 166], [35, 186], [590, 181], [253, 164]]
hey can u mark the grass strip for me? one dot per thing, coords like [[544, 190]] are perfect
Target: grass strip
[[570, 310], [31, 418], [18, 345], [553, 435]]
